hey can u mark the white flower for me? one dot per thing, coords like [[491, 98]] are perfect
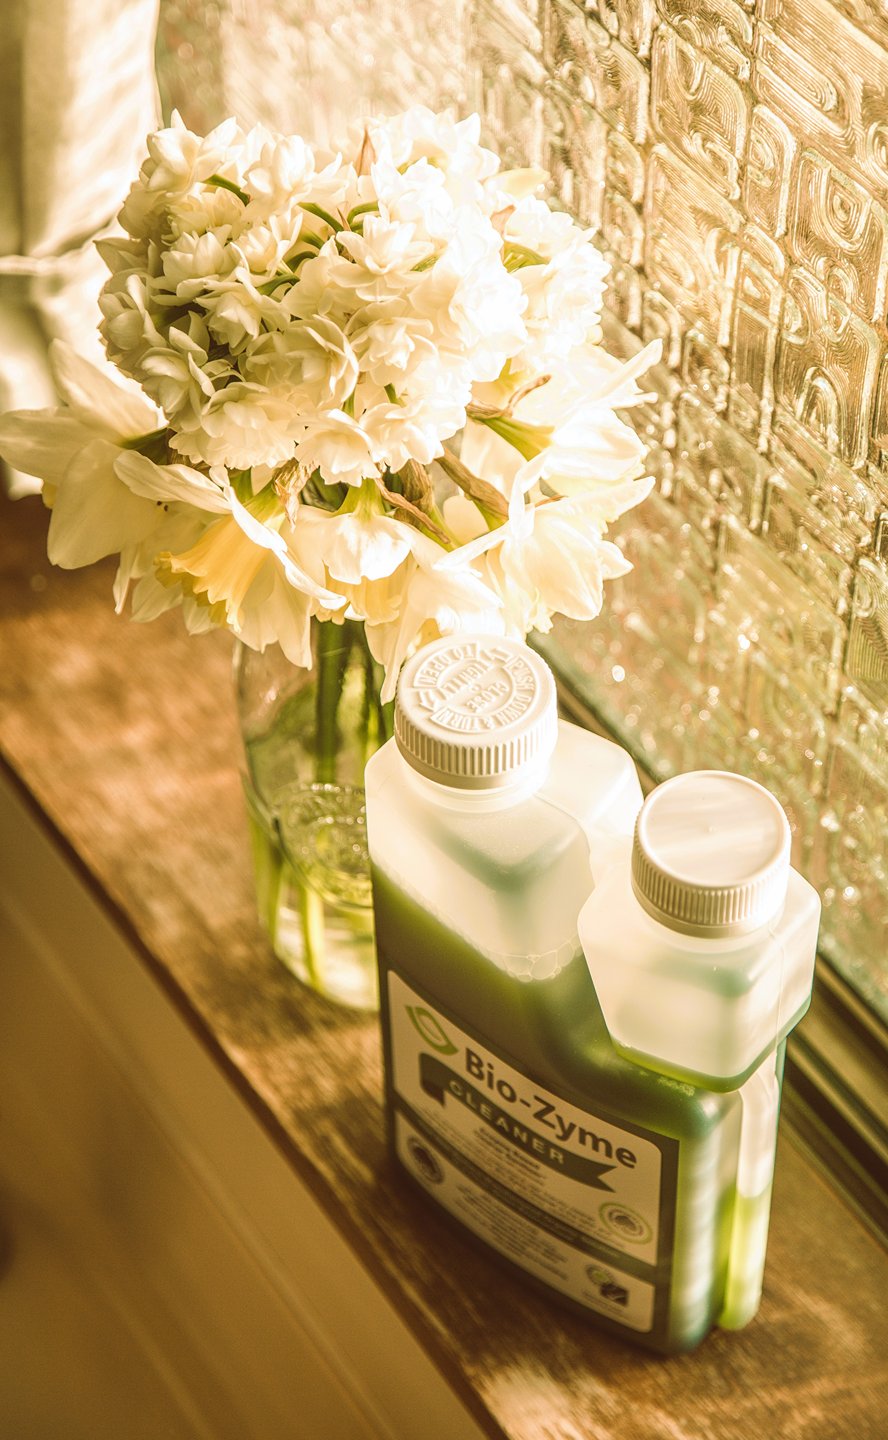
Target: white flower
[[532, 225], [193, 260], [334, 443], [551, 557], [420, 134], [284, 172], [127, 327], [387, 252], [438, 599], [391, 345], [316, 355], [559, 559], [242, 567], [413, 430], [207, 207], [179, 375], [178, 160], [564, 300], [416, 196], [240, 426], [475, 306], [311, 327], [74, 451], [566, 428], [358, 543]]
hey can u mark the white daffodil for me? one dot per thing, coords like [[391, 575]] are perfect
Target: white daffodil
[[284, 171], [242, 568], [177, 496], [391, 345], [558, 560], [320, 357], [416, 196], [567, 430], [385, 255], [420, 134], [475, 306], [193, 261], [551, 557], [311, 325], [359, 542], [136, 579], [438, 599], [73, 450], [337, 445], [178, 163], [240, 426], [413, 430]]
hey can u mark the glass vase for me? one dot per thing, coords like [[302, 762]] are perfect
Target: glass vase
[[307, 737]]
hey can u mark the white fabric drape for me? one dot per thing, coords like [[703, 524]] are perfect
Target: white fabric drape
[[77, 96]]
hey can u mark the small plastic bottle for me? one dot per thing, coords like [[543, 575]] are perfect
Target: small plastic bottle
[[700, 941], [603, 1181]]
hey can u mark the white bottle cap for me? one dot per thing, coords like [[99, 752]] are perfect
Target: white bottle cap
[[711, 854], [476, 712]]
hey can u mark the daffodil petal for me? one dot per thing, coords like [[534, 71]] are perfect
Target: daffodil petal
[[96, 398], [42, 442], [272, 540], [171, 482], [94, 514]]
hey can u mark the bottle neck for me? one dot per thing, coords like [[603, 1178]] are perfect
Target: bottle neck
[[501, 797]]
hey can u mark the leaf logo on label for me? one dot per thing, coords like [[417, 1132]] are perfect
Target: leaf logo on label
[[431, 1030]]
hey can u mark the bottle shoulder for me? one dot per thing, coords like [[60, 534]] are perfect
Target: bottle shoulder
[[590, 780]]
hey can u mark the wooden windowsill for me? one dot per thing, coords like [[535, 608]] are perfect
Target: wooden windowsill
[[125, 741]]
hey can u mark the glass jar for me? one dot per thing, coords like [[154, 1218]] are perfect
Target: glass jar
[[307, 735]]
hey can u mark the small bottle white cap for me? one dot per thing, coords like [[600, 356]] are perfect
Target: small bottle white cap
[[711, 854], [476, 712]]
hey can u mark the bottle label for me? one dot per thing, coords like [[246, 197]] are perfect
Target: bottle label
[[572, 1197]]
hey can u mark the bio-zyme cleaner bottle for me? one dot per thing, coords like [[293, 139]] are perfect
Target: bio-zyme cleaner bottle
[[605, 1181]]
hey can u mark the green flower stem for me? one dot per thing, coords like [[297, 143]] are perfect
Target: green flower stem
[[333, 645], [311, 923], [328, 219], [268, 861], [357, 210], [377, 719], [221, 183]]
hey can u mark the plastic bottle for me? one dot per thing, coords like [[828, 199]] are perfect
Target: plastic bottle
[[604, 1181], [700, 942]]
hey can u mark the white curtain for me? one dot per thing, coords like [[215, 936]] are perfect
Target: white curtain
[[77, 97]]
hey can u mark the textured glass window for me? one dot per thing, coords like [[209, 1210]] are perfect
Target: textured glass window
[[732, 157]]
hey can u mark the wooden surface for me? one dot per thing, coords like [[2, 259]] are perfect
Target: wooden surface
[[126, 740]]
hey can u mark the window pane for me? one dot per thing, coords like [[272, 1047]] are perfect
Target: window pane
[[732, 156]]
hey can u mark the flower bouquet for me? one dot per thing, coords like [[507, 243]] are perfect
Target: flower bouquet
[[370, 407]]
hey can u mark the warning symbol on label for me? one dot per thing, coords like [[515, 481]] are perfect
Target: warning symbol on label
[[607, 1286], [425, 1162]]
